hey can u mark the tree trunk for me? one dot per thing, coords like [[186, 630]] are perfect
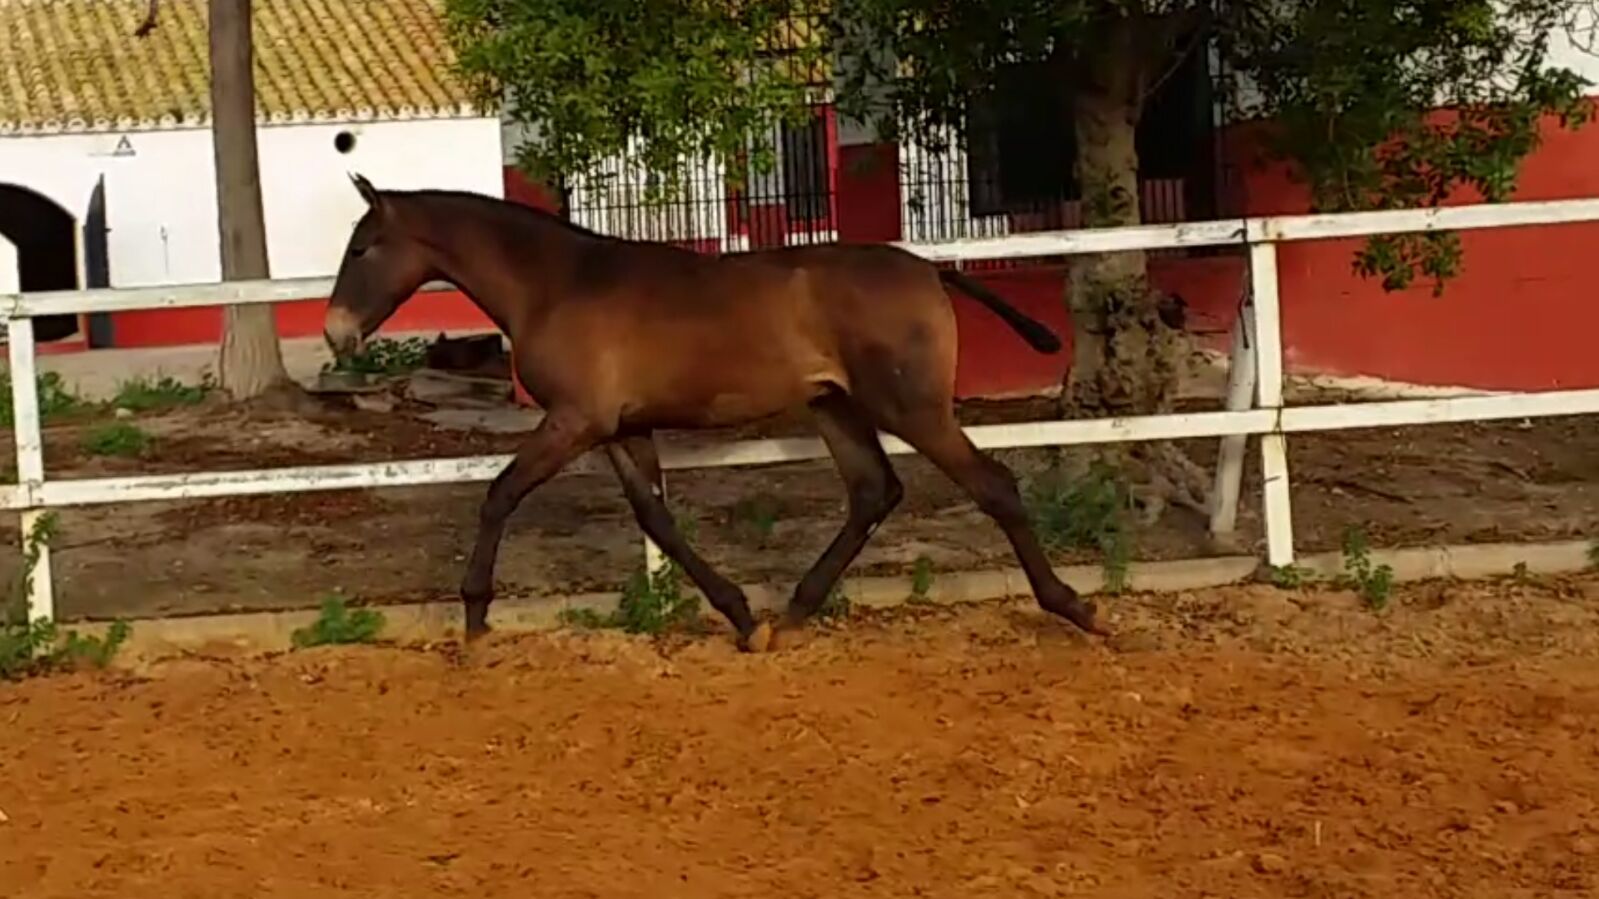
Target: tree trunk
[[251, 361], [1125, 358]]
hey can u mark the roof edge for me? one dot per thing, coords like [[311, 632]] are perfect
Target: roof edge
[[203, 120]]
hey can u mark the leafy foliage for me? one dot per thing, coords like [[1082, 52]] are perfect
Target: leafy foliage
[[29, 648], [1091, 512], [337, 624], [1349, 85], [681, 78], [1353, 85], [55, 398], [118, 438], [164, 392], [1290, 577], [652, 603], [1375, 583], [383, 356]]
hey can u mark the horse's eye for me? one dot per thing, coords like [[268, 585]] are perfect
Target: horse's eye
[[357, 252]]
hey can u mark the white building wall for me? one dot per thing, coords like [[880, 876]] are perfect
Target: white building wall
[[161, 188]]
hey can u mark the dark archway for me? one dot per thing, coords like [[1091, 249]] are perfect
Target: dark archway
[[45, 236]]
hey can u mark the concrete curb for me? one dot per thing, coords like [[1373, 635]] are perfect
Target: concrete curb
[[263, 632]]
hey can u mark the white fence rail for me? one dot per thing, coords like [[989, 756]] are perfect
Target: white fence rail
[[1254, 401]]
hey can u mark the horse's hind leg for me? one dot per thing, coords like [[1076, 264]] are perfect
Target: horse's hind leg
[[558, 440], [936, 435], [873, 488], [639, 469]]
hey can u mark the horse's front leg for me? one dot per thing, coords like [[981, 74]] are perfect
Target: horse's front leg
[[560, 438]]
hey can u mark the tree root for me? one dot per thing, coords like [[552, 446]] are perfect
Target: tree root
[[1167, 477]]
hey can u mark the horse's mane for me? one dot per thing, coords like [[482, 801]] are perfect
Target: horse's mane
[[510, 212]]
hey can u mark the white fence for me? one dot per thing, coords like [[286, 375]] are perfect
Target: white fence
[[1254, 402]]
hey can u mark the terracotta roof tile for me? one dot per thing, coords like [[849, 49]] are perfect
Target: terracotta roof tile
[[74, 65]]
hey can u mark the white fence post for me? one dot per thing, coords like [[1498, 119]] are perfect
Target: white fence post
[[29, 437], [1275, 497], [1240, 395]]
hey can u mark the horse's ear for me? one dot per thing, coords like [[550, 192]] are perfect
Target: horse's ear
[[368, 192]]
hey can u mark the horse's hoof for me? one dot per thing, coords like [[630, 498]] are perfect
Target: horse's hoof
[[1082, 613], [759, 640], [1086, 616]]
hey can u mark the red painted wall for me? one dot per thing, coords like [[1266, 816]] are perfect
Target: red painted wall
[[1520, 316]]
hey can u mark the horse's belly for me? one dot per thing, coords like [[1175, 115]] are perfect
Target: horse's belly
[[717, 402]]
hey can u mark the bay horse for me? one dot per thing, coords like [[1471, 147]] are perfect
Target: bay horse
[[615, 339]]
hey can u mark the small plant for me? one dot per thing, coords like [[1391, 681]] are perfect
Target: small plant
[[1290, 577], [118, 438], [651, 603], [837, 606], [164, 392], [1090, 513], [585, 618], [36, 647], [339, 625], [383, 356], [1593, 554], [55, 398], [921, 578], [654, 602], [759, 512], [1374, 583], [31, 648]]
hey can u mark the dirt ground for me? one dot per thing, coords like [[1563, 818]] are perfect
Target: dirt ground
[[1427, 485], [1237, 743]]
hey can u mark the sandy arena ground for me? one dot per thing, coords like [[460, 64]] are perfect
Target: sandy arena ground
[[1238, 743]]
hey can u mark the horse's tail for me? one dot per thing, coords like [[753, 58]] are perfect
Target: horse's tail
[[1033, 331]]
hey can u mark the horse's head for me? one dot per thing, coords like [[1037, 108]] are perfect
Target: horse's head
[[383, 265]]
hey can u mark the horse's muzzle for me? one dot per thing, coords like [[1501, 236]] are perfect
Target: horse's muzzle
[[342, 330]]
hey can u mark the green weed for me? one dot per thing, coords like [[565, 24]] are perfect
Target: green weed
[[55, 398], [585, 618], [759, 513], [1087, 513], [921, 578], [837, 606], [652, 603], [164, 392], [119, 438], [1374, 583], [337, 624], [383, 356], [1290, 577], [29, 648]]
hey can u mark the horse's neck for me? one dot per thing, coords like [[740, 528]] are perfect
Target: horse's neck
[[507, 274]]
